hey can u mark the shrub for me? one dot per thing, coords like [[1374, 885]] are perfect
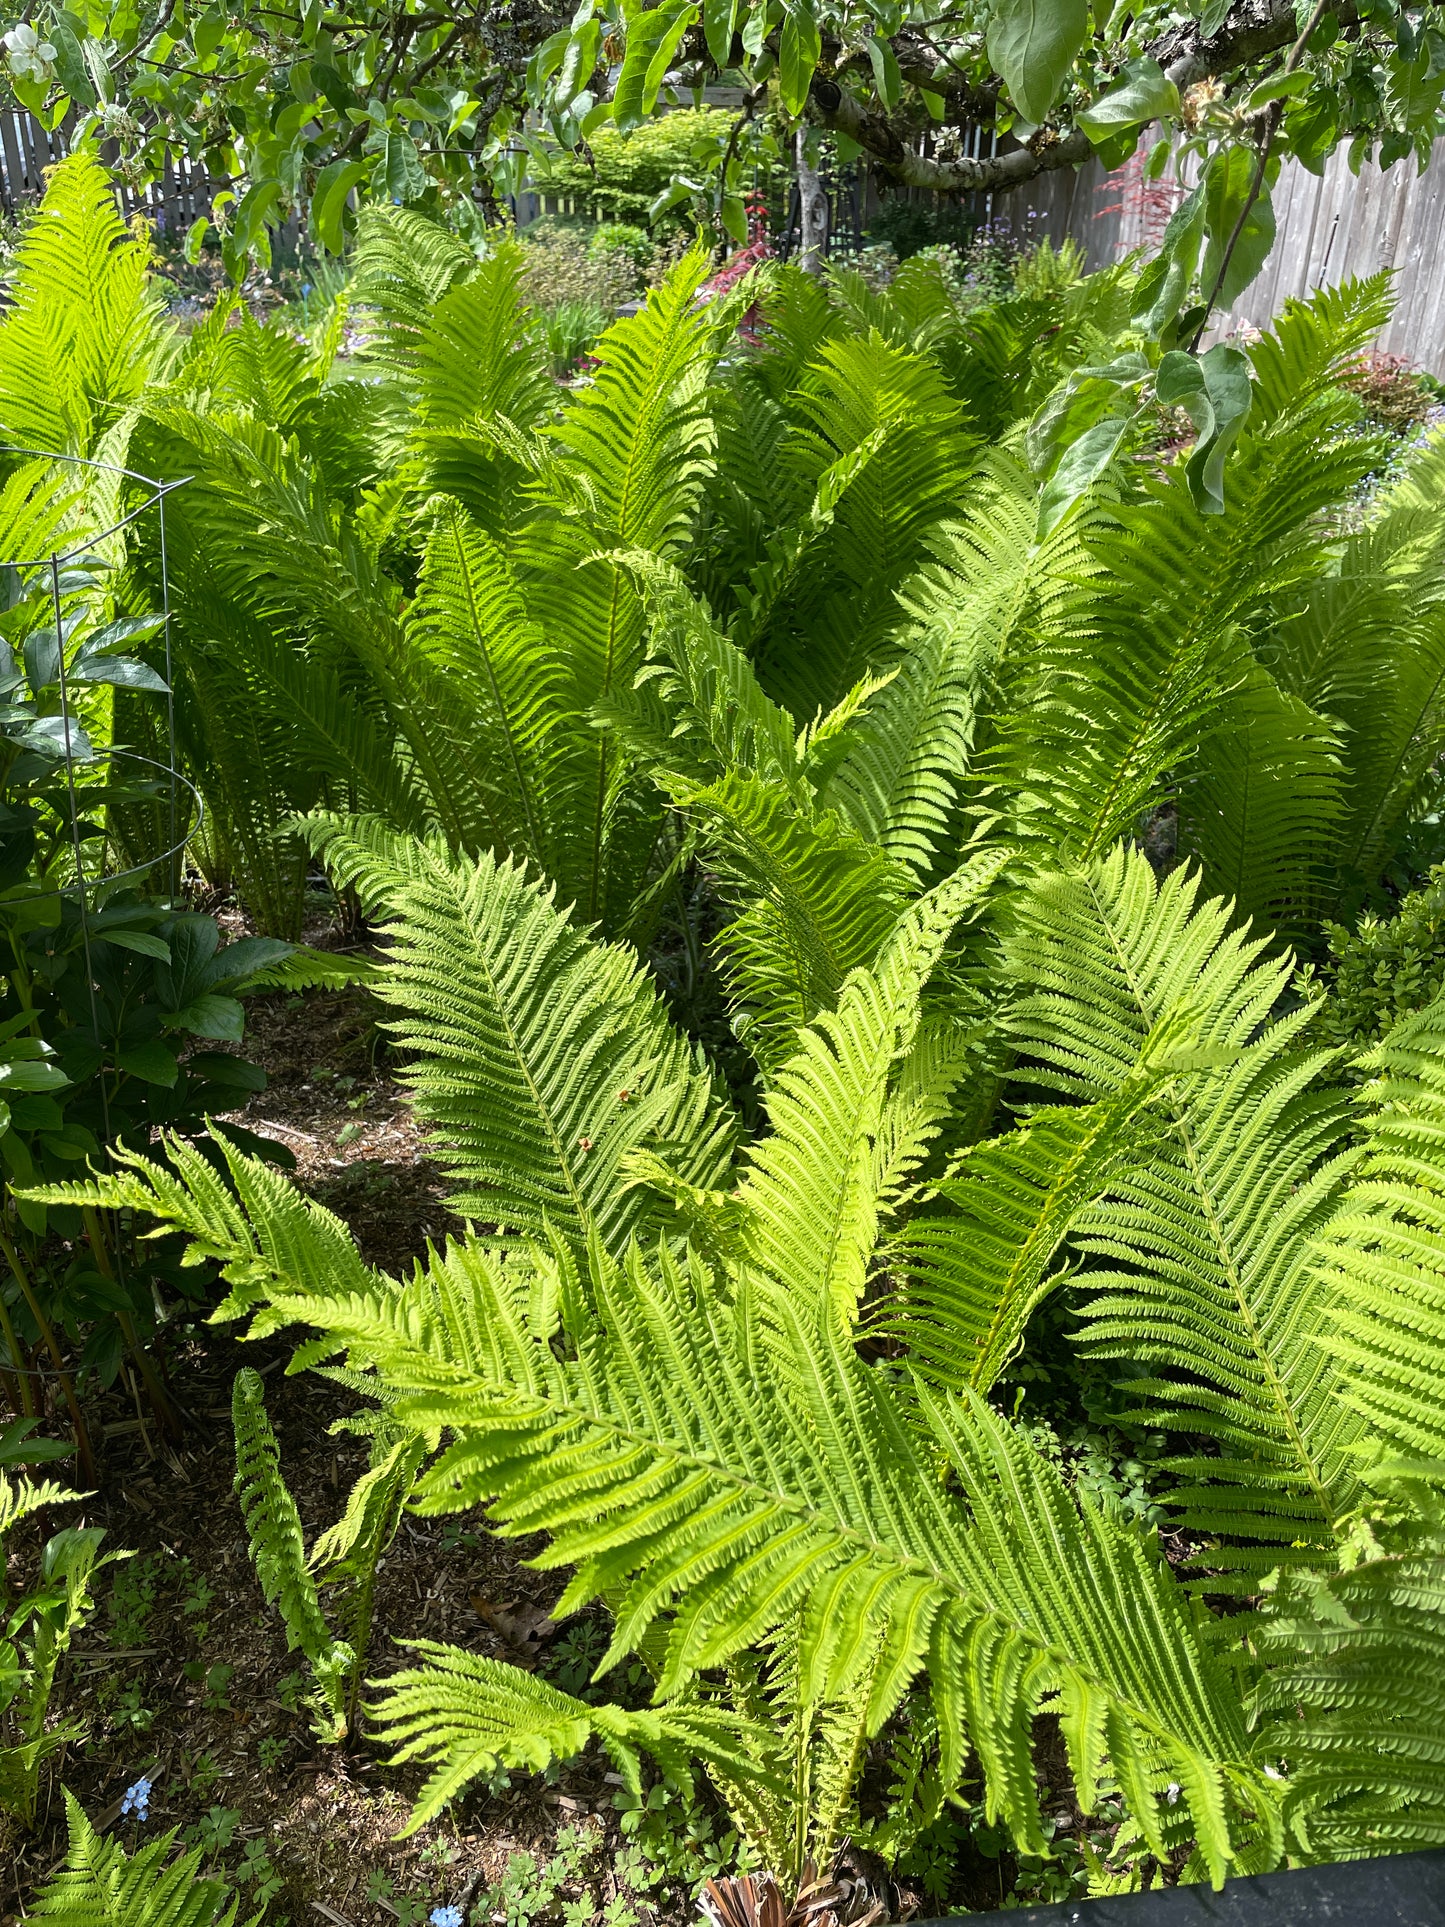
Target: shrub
[[562, 270], [629, 171], [1386, 969], [1395, 396]]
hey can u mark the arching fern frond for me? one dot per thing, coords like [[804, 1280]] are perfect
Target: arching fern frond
[[677, 1468], [541, 1058], [816, 1182]]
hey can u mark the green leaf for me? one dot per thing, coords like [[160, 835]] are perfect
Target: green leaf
[[401, 172], [328, 202], [70, 63], [221, 1018], [718, 18], [1228, 183], [1215, 392], [1083, 463], [886, 76], [1146, 93], [578, 62], [32, 1077], [141, 941], [652, 40], [1032, 45], [800, 49], [121, 672], [1165, 283], [152, 1062]]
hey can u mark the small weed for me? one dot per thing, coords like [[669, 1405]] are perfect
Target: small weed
[[291, 1690], [574, 1656], [196, 1603], [202, 1776], [257, 1872], [133, 1599], [214, 1832], [215, 1679], [128, 1712], [380, 1892], [271, 1750]]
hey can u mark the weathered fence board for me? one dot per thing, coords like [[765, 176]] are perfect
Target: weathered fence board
[[1329, 229]]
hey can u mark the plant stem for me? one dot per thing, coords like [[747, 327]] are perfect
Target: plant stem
[[23, 1398], [48, 1339], [1276, 114], [161, 1402]]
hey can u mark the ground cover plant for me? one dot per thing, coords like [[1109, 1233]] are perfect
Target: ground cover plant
[[903, 964]]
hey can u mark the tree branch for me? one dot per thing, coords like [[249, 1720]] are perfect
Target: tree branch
[[1253, 29]]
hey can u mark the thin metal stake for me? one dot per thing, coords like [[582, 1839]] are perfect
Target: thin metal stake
[[75, 823], [173, 839]]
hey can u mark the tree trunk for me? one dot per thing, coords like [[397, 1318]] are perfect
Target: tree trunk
[[812, 210]]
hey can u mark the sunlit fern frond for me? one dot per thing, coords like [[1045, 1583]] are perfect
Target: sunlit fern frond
[[540, 1059], [1383, 1256], [83, 335], [279, 1551], [722, 1465], [100, 1885], [1202, 1261], [815, 900], [816, 1183]]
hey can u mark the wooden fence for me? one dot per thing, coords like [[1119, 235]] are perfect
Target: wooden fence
[[1328, 230], [182, 193]]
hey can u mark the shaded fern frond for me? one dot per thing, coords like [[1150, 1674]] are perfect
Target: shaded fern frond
[[278, 1548], [465, 1715]]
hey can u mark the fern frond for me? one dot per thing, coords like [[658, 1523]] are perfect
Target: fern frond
[[84, 333], [1208, 1274], [1358, 1658], [1262, 808], [278, 1548], [465, 1715], [1381, 1256], [816, 901], [101, 1886], [716, 1464], [815, 1183], [541, 1059]]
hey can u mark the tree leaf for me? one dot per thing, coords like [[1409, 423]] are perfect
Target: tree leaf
[[1032, 44], [1216, 393], [800, 49], [1146, 93], [1228, 182]]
